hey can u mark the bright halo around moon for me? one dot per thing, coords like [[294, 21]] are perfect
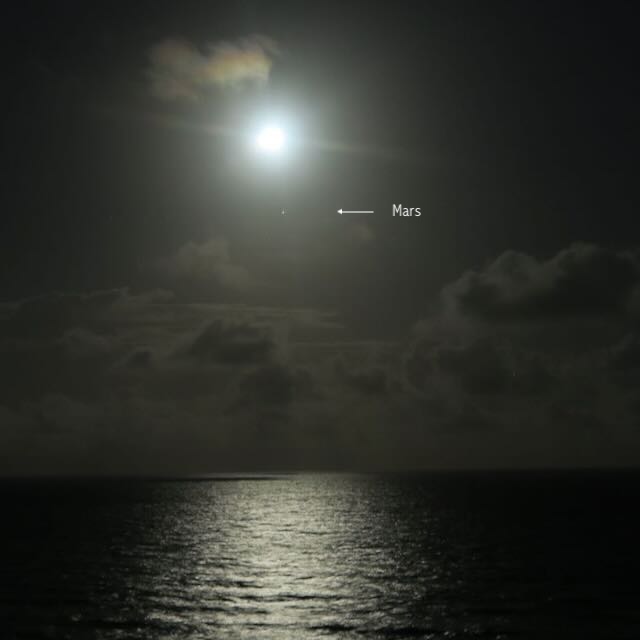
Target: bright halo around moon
[[270, 139]]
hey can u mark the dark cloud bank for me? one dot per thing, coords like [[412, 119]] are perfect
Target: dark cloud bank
[[524, 362]]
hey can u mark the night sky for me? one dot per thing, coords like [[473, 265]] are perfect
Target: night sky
[[160, 314]]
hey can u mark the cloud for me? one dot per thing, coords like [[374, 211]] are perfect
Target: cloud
[[270, 385], [54, 313], [368, 380], [468, 418], [82, 343], [205, 263], [625, 356], [492, 365], [480, 366], [582, 280], [146, 382], [139, 359], [179, 70], [111, 381], [536, 348], [232, 344], [57, 413]]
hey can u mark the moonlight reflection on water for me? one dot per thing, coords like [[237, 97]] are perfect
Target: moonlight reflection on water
[[302, 557]]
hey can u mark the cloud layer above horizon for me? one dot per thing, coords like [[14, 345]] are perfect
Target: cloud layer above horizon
[[524, 362]]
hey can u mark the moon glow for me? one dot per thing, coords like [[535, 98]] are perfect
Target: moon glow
[[271, 139]]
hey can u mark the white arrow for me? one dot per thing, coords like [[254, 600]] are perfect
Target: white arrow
[[341, 211]]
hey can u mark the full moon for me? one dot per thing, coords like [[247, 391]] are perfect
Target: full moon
[[270, 139]]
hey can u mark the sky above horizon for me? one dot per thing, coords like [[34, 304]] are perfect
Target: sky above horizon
[[159, 313]]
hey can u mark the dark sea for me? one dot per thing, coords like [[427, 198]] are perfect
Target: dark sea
[[440, 555]]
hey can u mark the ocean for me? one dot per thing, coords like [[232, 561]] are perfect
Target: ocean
[[435, 555]]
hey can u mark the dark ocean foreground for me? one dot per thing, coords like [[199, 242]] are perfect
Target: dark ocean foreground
[[455, 555]]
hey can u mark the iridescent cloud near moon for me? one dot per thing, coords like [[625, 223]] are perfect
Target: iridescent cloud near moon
[[179, 70]]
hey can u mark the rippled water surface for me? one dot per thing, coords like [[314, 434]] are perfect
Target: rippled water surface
[[322, 556]]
